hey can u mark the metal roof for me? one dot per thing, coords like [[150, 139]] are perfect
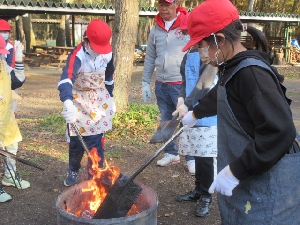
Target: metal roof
[[12, 8], [57, 21]]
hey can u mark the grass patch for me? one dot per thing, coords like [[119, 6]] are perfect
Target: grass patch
[[291, 76], [23, 172], [133, 125], [54, 123], [64, 157], [116, 155]]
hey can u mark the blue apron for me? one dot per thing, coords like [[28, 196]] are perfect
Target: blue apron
[[270, 198]]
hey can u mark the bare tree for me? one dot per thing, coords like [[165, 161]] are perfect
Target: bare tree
[[20, 30], [295, 6], [61, 34], [68, 34], [250, 5], [27, 31], [124, 36]]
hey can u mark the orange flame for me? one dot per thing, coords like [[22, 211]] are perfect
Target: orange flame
[[96, 190]]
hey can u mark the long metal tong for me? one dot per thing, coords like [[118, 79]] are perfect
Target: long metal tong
[[10, 155]]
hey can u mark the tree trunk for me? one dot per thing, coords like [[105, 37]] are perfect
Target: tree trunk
[[20, 32], [152, 3], [139, 35], [61, 34], [281, 24], [182, 3], [146, 30], [262, 5], [27, 33], [68, 34], [124, 36], [250, 5], [48, 28], [295, 7]]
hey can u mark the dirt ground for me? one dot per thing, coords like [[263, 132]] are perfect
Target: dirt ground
[[36, 205]]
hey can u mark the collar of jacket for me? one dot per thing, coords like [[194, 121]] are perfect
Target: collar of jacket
[[160, 22]]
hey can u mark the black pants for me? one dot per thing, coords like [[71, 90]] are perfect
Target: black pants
[[204, 174]]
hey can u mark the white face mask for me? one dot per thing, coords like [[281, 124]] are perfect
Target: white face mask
[[91, 52], [204, 55], [5, 36], [187, 38]]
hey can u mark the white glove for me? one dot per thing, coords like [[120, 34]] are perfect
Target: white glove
[[146, 91], [224, 183], [70, 112], [188, 120], [182, 110], [180, 102], [18, 51]]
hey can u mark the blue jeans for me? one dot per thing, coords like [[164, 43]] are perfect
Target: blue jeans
[[76, 151], [167, 97]]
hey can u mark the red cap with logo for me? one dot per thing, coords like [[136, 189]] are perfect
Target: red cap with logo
[[3, 49], [99, 33], [208, 18], [4, 25]]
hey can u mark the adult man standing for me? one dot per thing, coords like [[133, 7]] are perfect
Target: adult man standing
[[164, 52]]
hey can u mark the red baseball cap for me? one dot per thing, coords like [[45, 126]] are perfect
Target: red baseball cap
[[170, 1], [184, 22], [99, 33], [209, 17], [3, 49], [4, 25]]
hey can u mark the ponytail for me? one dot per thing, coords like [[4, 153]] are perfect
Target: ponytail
[[259, 39]]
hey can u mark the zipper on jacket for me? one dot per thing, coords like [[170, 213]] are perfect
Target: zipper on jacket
[[165, 54]]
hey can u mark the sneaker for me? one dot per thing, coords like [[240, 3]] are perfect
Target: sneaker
[[16, 182], [168, 159], [71, 178], [191, 166], [203, 210], [191, 196], [4, 197]]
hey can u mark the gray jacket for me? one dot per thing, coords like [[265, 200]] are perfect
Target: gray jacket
[[164, 52]]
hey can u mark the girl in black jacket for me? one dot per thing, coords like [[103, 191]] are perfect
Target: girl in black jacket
[[258, 157]]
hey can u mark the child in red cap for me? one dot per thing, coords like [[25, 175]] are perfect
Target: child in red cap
[[258, 157], [197, 79], [9, 131], [86, 90]]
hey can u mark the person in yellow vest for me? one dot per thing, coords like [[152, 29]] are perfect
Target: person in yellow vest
[[9, 131]]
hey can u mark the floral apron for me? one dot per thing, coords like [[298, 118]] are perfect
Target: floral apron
[[95, 106], [9, 130], [198, 141]]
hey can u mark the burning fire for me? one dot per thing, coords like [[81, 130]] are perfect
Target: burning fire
[[96, 190]]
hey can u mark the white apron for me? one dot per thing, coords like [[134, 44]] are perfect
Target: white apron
[[95, 106], [199, 141]]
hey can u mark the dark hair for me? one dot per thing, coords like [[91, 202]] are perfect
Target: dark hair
[[232, 32]]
